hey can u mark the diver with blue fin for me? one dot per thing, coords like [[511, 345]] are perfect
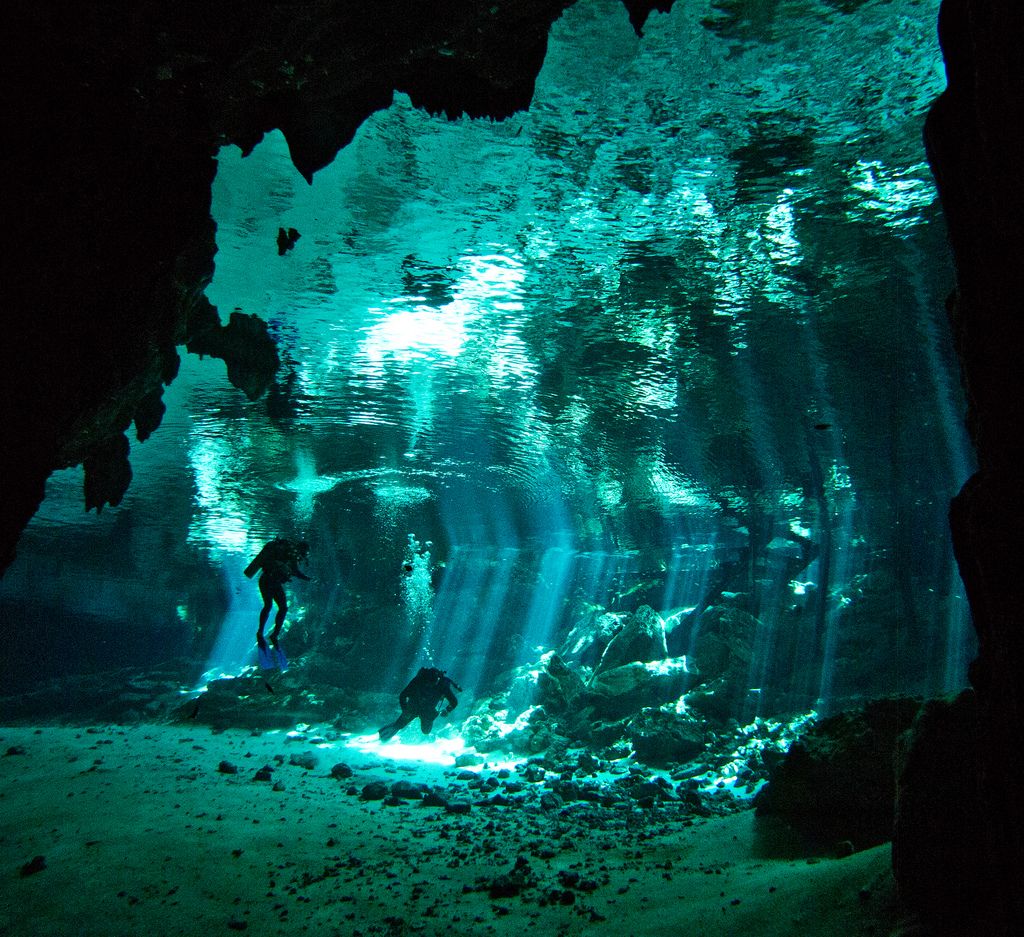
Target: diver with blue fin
[[279, 561], [427, 696]]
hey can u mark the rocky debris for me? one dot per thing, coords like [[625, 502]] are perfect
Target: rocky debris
[[490, 820], [226, 767], [341, 771], [432, 798], [837, 782], [734, 760], [519, 878], [571, 710], [550, 800], [843, 849], [522, 881], [265, 773]]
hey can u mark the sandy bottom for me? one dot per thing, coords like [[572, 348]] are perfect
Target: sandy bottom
[[140, 833]]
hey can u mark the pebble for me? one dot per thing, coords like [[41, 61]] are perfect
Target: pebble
[[406, 790], [375, 790], [37, 864], [305, 760]]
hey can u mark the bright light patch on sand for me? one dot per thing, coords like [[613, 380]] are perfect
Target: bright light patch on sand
[[437, 751], [432, 751]]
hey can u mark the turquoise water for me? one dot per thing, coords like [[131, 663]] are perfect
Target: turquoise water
[[674, 335]]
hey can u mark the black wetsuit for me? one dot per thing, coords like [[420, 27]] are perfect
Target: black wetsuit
[[419, 700], [279, 561]]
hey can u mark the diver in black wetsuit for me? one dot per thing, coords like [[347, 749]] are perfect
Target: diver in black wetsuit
[[422, 698], [279, 561]]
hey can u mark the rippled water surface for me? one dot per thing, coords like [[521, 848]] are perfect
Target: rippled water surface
[[726, 227]]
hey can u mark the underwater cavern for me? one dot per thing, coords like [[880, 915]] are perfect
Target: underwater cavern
[[649, 367]]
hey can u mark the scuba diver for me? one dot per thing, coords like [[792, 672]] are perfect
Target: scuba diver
[[279, 561], [427, 696]]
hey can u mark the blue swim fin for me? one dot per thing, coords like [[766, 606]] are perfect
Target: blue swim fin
[[267, 658], [280, 658]]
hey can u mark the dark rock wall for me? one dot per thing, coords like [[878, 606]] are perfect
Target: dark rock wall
[[975, 139], [939, 840]]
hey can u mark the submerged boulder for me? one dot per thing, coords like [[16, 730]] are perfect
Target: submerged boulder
[[663, 736], [722, 652], [558, 685], [724, 643], [837, 781], [622, 690], [524, 689], [483, 731], [641, 638], [589, 637]]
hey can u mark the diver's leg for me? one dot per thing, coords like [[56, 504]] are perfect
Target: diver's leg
[[268, 601], [392, 728], [427, 718], [282, 610]]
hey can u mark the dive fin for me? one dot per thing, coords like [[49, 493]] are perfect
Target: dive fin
[[280, 657]]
